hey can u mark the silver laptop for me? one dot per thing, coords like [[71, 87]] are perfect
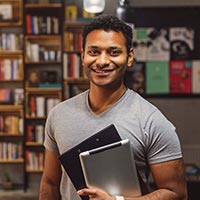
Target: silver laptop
[[111, 168]]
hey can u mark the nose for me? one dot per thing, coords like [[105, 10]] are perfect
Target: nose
[[102, 60]]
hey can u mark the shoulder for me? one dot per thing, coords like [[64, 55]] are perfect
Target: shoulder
[[69, 105], [143, 107], [146, 112]]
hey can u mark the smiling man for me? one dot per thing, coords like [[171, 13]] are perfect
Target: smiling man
[[107, 52]]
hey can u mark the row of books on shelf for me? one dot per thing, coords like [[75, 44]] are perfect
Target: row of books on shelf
[[40, 53], [42, 25], [35, 133], [34, 160], [11, 151], [11, 41], [9, 96], [163, 44], [11, 69], [39, 106], [72, 41], [72, 65], [11, 125], [160, 77]]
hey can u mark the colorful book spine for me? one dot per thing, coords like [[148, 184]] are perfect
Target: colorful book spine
[[180, 77]]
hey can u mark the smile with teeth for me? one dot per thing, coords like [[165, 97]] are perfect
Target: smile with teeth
[[102, 71]]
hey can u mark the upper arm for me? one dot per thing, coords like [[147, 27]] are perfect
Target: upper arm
[[170, 175], [52, 168]]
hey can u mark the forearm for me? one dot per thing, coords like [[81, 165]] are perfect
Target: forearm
[[160, 194], [49, 191]]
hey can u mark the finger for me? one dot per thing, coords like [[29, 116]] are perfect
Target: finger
[[87, 191]]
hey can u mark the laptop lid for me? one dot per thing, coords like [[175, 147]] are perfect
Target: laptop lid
[[111, 168], [70, 159]]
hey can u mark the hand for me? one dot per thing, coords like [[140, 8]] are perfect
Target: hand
[[95, 194]]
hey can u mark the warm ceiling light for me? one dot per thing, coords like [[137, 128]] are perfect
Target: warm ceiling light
[[94, 6]]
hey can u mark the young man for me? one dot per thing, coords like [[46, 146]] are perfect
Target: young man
[[107, 52]]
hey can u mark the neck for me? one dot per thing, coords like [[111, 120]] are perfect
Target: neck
[[100, 99]]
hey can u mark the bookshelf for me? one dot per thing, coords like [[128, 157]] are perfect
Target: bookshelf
[[74, 79], [11, 89], [40, 65], [43, 75]]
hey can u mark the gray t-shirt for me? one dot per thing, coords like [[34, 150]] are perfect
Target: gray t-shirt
[[153, 137]]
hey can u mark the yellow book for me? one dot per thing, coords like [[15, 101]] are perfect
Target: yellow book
[[71, 12]]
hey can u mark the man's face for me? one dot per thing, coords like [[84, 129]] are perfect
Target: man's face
[[105, 58]]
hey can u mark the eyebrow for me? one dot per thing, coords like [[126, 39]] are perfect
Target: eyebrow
[[97, 47]]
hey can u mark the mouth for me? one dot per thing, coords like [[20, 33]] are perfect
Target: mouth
[[104, 71]]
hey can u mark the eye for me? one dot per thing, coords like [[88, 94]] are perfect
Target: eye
[[93, 52], [115, 52]]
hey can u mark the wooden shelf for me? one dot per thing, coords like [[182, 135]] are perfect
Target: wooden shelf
[[17, 53], [10, 135], [43, 90], [16, 161], [11, 108], [35, 144], [47, 5]]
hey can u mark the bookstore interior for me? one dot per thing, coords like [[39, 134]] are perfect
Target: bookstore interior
[[40, 65]]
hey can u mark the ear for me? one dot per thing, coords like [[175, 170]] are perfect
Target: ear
[[131, 57]]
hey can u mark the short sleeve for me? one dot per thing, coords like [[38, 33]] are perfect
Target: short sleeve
[[161, 139], [49, 139]]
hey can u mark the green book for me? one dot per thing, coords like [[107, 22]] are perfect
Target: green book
[[157, 77]]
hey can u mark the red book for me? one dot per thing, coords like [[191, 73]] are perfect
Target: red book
[[28, 24], [180, 77]]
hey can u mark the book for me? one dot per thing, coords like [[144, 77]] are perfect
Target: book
[[157, 77], [180, 76], [18, 96], [6, 12], [196, 76], [158, 45], [140, 44], [5, 95], [71, 12], [181, 42], [135, 77]]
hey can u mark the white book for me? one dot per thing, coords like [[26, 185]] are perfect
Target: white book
[[16, 69], [48, 25], [13, 42], [39, 130], [7, 69], [35, 25], [35, 52], [55, 25], [196, 76], [50, 104], [40, 106], [65, 65], [159, 45], [6, 11]]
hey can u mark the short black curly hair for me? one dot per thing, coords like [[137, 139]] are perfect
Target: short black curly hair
[[108, 22]]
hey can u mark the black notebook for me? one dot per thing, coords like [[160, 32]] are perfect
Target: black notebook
[[70, 159]]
